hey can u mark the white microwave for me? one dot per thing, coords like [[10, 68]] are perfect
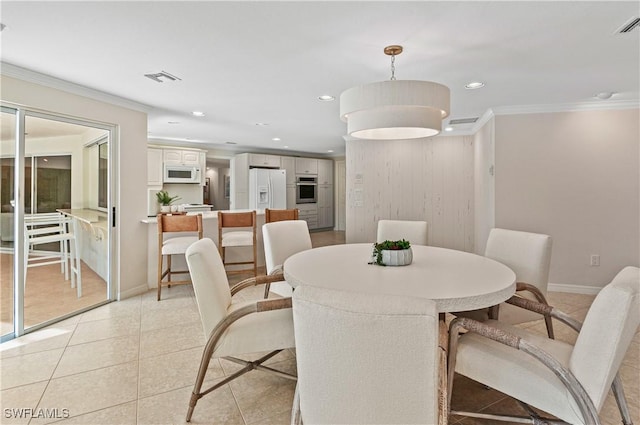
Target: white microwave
[[175, 173]]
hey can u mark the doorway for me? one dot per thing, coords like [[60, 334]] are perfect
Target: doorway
[[54, 235]]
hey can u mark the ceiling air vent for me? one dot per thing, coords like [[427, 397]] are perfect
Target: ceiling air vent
[[463, 121], [162, 74], [629, 26]]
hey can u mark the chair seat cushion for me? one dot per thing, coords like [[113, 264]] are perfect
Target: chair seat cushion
[[517, 373], [239, 238], [177, 245], [257, 332]]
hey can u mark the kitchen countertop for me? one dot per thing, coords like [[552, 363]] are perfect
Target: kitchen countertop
[[206, 215], [86, 215]]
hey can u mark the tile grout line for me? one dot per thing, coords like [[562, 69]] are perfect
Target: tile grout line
[[54, 369]]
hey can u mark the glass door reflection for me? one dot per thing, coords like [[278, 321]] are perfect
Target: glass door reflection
[[62, 173]]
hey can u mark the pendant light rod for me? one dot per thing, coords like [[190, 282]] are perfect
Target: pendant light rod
[[393, 51]]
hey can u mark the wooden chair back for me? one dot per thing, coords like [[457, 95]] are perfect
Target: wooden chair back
[[179, 223], [280, 215], [239, 219]]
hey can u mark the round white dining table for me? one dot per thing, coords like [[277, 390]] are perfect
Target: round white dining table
[[455, 280]]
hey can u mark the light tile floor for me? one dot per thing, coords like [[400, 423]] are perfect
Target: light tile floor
[[135, 361]]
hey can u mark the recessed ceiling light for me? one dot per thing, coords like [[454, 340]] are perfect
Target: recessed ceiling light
[[330, 150], [286, 147], [198, 114], [45, 160], [448, 129], [276, 139], [605, 95], [326, 98], [474, 85], [262, 123]]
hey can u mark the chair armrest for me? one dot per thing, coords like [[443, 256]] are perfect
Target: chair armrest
[[546, 310], [523, 286], [577, 391], [527, 304], [254, 281]]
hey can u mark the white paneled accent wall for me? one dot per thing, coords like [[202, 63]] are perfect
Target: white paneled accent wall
[[426, 179], [484, 183]]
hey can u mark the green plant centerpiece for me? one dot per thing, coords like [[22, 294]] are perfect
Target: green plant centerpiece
[[392, 253], [165, 199]]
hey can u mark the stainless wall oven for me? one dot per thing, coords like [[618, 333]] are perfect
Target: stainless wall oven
[[306, 190]]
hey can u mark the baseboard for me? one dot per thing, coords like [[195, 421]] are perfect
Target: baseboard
[[137, 290], [573, 289]]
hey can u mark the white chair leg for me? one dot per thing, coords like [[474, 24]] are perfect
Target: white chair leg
[[75, 261]]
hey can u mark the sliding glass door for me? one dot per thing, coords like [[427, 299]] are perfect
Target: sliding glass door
[[8, 123], [55, 235]]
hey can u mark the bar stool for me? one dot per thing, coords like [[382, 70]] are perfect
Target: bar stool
[[238, 238], [280, 215], [51, 229], [176, 245]]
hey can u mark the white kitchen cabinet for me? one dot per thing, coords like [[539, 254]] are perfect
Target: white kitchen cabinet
[[262, 160], [202, 162], [288, 163], [179, 156], [154, 167], [291, 197], [325, 171], [308, 213], [306, 166], [325, 206], [239, 174]]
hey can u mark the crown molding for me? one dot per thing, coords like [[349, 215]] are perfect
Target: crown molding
[[35, 77], [566, 107]]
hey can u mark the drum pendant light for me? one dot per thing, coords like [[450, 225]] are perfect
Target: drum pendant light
[[395, 109]]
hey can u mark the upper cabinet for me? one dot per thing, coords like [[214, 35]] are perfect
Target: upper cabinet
[[154, 167], [262, 160], [325, 171], [184, 157], [306, 166]]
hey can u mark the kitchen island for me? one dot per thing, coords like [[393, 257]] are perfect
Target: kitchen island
[[210, 230]]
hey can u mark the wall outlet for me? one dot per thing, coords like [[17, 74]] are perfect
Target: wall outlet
[[595, 260]]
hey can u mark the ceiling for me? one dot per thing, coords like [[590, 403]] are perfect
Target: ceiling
[[243, 63]]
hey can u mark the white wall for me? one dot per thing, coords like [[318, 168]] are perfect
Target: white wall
[[576, 177], [484, 184], [130, 277], [423, 179]]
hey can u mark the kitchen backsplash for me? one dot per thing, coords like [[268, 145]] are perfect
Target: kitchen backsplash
[[188, 193]]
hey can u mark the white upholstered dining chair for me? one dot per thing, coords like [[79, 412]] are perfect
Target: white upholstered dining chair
[[568, 381], [365, 358], [394, 230], [529, 256], [282, 239], [234, 328]]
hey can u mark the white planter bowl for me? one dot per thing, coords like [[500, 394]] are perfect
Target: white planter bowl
[[398, 257]]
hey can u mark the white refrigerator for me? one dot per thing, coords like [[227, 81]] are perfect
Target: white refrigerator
[[267, 189]]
